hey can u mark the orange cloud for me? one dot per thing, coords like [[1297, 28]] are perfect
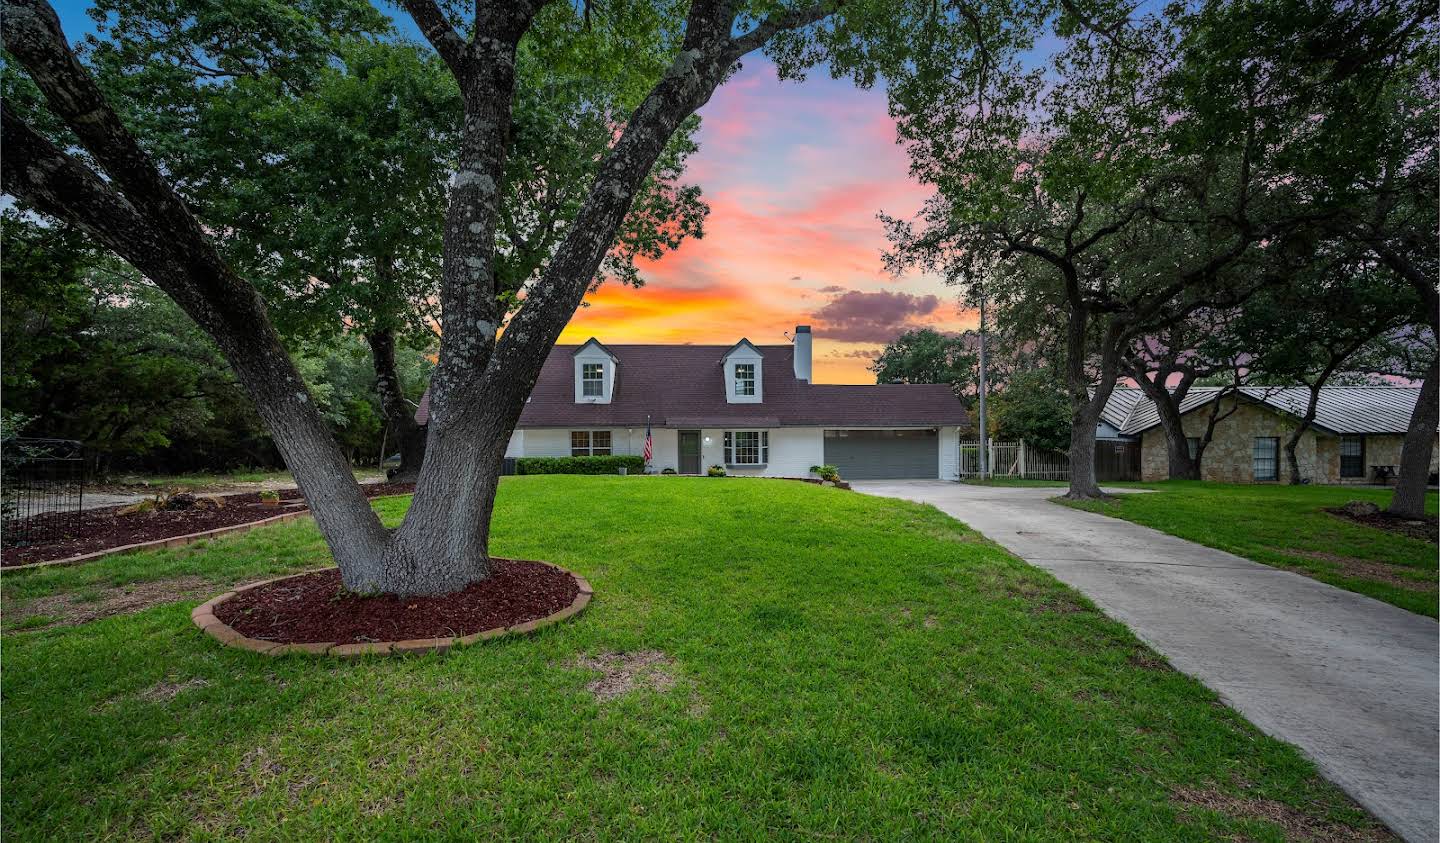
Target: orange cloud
[[795, 175]]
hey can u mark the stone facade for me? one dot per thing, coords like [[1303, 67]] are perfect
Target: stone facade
[[1229, 458]]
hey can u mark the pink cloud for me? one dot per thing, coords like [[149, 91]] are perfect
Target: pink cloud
[[856, 316]]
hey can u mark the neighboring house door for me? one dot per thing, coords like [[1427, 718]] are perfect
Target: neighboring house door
[[689, 452]]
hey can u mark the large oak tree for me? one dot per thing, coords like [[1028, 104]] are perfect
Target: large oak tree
[[483, 376]]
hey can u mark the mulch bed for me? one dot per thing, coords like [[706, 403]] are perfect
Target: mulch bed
[[101, 529], [1425, 530], [316, 607]]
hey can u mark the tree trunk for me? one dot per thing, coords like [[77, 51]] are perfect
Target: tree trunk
[[1409, 499], [409, 436], [443, 545], [1085, 407], [1180, 465], [1293, 442]]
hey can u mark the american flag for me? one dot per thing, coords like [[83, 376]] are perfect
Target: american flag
[[649, 451]]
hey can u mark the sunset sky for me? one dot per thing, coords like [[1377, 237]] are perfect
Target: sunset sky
[[794, 174]]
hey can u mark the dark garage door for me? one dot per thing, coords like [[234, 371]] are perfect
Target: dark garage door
[[883, 454]]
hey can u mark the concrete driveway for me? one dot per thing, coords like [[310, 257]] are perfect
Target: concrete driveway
[[1353, 682]]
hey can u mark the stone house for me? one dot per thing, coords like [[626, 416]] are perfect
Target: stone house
[[1356, 436]]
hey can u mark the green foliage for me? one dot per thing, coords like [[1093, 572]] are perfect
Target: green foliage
[[862, 660], [715, 471], [97, 354], [579, 465], [1032, 408], [826, 472], [925, 355]]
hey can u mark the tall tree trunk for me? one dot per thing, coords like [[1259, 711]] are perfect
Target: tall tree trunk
[[409, 436], [1086, 408], [1180, 465], [1409, 499], [1293, 441]]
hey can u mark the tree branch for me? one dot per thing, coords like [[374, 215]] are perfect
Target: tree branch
[[442, 36], [774, 24]]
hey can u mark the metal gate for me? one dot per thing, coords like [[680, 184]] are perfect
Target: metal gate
[[1114, 460], [42, 489]]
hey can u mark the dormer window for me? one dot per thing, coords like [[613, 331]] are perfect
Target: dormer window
[[595, 371], [592, 380], [744, 378], [744, 370]]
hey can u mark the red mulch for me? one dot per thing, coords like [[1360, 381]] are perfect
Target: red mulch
[[316, 608], [1426, 530], [101, 529]]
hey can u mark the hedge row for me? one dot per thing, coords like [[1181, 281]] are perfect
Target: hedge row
[[579, 465]]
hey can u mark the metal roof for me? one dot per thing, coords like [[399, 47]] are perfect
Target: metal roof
[[1341, 409]]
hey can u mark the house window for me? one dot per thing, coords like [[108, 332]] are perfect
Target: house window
[[1192, 444], [744, 378], [1266, 458], [1352, 456], [747, 447], [592, 380], [589, 443]]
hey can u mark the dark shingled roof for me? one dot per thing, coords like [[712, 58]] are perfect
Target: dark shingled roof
[[683, 386]]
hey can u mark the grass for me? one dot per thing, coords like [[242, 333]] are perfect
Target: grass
[[212, 480], [837, 665], [1287, 527]]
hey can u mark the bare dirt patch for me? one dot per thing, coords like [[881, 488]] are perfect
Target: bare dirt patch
[[622, 673], [167, 690], [1147, 659], [1427, 529], [1296, 825], [70, 608], [1365, 569]]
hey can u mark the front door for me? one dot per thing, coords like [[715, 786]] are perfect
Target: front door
[[689, 452]]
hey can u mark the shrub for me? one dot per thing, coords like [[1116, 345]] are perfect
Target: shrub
[[826, 472], [270, 497], [716, 471], [578, 465], [668, 470]]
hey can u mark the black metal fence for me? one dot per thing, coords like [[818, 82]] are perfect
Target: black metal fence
[[42, 489]]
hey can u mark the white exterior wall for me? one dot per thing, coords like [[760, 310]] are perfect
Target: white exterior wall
[[552, 442], [792, 449]]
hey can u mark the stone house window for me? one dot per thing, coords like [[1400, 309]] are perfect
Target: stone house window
[[1352, 456], [1265, 458]]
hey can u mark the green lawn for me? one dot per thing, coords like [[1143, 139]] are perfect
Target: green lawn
[[822, 665], [1286, 526]]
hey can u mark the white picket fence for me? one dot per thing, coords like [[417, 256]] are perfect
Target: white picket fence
[[1015, 459]]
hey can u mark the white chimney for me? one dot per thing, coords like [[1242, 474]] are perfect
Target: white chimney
[[802, 352]]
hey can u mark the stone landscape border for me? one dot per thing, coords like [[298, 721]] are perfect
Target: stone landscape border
[[174, 541], [204, 618]]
